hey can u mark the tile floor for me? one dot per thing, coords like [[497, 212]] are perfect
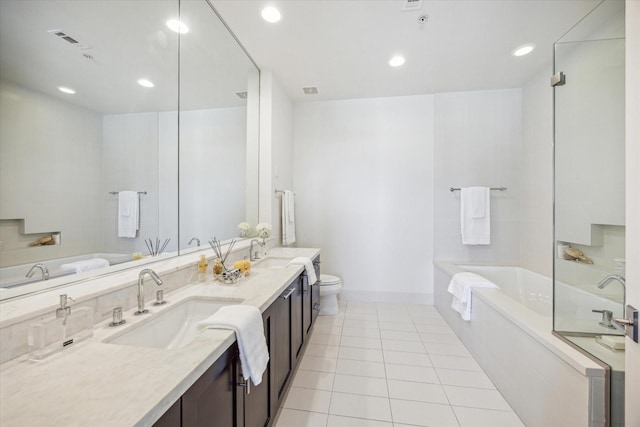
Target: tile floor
[[390, 365]]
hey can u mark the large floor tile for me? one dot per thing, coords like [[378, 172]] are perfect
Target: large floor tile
[[305, 399], [324, 339], [464, 378], [317, 363], [368, 386], [400, 335], [359, 323], [361, 342], [314, 379], [408, 346], [365, 354], [421, 392], [476, 398], [361, 332], [322, 350], [360, 368], [473, 417], [405, 358], [398, 326], [358, 406], [338, 421], [327, 329], [421, 374], [422, 414], [295, 418]]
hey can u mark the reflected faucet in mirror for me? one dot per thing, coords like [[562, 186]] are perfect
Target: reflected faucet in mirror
[[192, 239], [43, 268], [254, 256], [155, 277], [608, 279]]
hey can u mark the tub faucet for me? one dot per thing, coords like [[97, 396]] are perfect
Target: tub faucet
[[192, 239], [155, 277], [604, 282], [43, 268], [254, 256]]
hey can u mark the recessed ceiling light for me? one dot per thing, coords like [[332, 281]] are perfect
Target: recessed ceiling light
[[396, 61], [66, 90], [271, 14], [523, 50], [177, 26], [310, 90], [145, 83]]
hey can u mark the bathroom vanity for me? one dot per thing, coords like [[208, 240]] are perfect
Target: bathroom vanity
[[107, 381]]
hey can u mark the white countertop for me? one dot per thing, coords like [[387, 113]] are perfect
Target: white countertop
[[101, 384]]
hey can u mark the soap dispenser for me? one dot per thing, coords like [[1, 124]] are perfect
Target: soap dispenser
[[202, 268]]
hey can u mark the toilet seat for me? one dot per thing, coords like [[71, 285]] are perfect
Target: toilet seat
[[329, 280]]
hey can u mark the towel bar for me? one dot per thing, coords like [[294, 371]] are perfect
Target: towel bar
[[117, 192], [492, 188]]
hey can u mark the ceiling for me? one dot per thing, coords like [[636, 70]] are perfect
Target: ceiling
[[343, 47]]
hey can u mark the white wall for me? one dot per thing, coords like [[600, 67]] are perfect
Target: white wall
[[49, 174], [478, 143], [363, 177]]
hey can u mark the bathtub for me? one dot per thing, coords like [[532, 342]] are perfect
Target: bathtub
[[545, 380]]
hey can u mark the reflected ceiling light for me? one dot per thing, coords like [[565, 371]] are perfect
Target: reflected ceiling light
[[66, 90], [396, 61], [523, 50], [145, 83], [271, 14], [177, 26]]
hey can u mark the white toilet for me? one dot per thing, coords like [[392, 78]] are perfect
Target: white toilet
[[329, 289]]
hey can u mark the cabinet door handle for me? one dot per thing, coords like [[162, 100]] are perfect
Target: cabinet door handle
[[246, 384], [292, 290], [316, 306]]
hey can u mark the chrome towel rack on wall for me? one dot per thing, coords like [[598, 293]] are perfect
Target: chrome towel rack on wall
[[452, 189], [117, 192]]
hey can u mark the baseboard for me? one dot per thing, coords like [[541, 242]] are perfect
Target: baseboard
[[388, 297]]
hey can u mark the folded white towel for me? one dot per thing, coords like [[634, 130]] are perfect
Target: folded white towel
[[475, 219], [460, 287], [288, 218], [128, 213], [308, 267], [246, 321], [85, 265]]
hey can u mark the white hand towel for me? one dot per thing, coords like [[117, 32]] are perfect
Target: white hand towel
[[246, 321], [85, 265], [460, 287], [308, 267], [475, 219], [288, 218], [128, 213]]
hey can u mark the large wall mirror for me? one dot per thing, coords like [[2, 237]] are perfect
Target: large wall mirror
[[103, 99]]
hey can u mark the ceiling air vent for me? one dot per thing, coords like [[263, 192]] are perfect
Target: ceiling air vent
[[410, 5], [64, 36], [242, 95], [310, 90]]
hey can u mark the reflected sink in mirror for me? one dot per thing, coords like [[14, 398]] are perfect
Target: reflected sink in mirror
[[174, 327], [271, 262]]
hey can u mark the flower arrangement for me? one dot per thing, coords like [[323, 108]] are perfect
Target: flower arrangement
[[264, 230], [245, 229]]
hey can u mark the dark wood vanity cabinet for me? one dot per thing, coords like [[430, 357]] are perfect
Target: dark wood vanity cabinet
[[219, 398]]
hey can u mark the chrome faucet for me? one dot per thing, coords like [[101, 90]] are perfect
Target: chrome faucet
[[192, 239], [155, 277], [43, 268], [254, 256], [604, 282]]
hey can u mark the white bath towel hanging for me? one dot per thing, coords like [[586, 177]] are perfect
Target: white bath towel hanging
[[85, 265], [246, 321], [475, 215], [128, 213], [460, 287], [288, 218], [308, 267]]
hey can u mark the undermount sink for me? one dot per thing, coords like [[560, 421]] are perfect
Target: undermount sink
[[174, 327], [270, 262]]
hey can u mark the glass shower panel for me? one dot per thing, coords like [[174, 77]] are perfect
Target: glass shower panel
[[589, 185]]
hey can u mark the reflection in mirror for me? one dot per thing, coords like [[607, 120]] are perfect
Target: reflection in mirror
[[218, 151], [63, 155]]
